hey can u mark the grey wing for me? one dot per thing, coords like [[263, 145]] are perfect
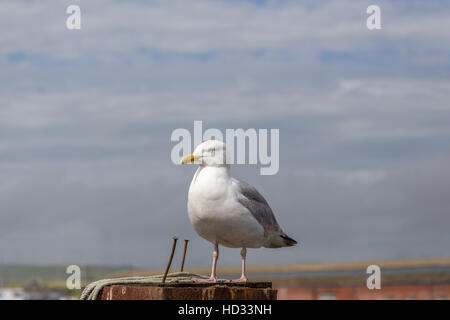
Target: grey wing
[[250, 198]]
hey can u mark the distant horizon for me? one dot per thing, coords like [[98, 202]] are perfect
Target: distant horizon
[[389, 262]]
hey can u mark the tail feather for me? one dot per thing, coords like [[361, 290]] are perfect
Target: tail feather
[[279, 241], [288, 240]]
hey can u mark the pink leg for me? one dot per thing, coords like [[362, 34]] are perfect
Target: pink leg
[[243, 278], [213, 277]]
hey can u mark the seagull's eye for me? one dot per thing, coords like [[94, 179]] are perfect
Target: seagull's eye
[[212, 150]]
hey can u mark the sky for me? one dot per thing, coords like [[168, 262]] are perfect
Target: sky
[[86, 118]]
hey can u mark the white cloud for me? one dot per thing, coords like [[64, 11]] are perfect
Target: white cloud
[[86, 117], [111, 27]]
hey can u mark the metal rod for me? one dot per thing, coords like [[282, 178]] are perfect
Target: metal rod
[[170, 259], [184, 254]]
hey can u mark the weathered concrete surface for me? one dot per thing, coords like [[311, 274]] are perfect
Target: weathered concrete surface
[[222, 291]]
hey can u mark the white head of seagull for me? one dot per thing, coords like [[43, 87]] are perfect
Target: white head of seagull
[[227, 211], [210, 153]]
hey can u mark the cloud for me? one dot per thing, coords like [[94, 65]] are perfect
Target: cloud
[[86, 118]]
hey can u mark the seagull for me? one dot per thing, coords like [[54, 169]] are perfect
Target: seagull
[[226, 211]]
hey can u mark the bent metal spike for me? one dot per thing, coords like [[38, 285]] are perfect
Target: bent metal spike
[[170, 259], [184, 254]]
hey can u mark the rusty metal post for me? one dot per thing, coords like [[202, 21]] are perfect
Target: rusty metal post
[[170, 259], [184, 254]]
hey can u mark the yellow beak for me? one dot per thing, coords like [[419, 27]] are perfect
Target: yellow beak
[[188, 159]]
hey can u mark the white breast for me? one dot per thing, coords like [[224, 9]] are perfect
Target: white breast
[[216, 214]]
